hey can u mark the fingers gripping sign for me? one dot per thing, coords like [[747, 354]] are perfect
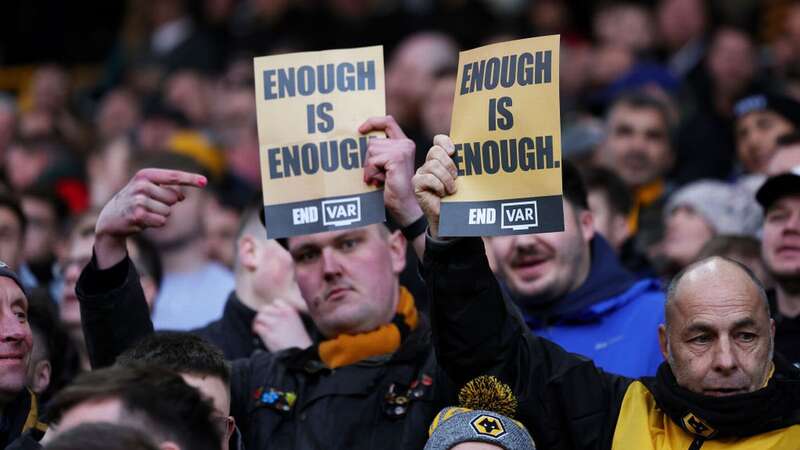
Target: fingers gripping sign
[[145, 202], [435, 180], [390, 163]]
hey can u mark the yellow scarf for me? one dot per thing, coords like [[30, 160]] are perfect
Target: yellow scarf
[[347, 349], [644, 197]]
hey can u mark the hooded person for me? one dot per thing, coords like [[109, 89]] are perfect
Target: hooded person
[[571, 288]]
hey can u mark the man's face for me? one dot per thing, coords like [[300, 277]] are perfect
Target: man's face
[[16, 339], [437, 108], [719, 338], [608, 222], [780, 244], [42, 230], [216, 390], [221, 225], [23, 166], [77, 255], [11, 238], [731, 61], [185, 221], [686, 234], [547, 265], [756, 135], [118, 114], [637, 147], [349, 278], [784, 160]]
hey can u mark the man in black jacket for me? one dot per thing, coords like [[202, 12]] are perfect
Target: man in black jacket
[[719, 389], [17, 403], [265, 311], [372, 382]]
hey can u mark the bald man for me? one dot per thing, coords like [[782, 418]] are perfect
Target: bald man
[[718, 337], [720, 387]]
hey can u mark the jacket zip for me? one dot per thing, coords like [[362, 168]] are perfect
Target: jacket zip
[[696, 444]]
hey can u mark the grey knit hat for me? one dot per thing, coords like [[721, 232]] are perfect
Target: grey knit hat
[[729, 209], [6, 271], [453, 426], [486, 403]]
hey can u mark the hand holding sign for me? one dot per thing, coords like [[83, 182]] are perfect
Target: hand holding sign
[[506, 141], [144, 202], [309, 107], [390, 164], [435, 180]]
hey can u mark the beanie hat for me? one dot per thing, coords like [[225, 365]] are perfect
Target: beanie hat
[[782, 105], [729, 209], [486, 404], [6, 271]]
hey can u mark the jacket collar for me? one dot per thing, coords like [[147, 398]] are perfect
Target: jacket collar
[[601, 292]]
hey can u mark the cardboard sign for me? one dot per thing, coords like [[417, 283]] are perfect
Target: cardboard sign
[[506, 129], [309, 107]]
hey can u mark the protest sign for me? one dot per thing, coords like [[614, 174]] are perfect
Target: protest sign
[[309, 106], [507, 134]]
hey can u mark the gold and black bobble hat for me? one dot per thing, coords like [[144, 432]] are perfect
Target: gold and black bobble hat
[[485, 414]]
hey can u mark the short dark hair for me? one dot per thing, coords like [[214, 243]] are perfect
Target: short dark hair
[[12, 203], [619, 196], [58, 349], [45, 192], [574, 189], [102, 436], [180, 352], [154, 400], [641, 100]]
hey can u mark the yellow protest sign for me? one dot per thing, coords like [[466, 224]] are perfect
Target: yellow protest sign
[[506, 129], [309, 107]]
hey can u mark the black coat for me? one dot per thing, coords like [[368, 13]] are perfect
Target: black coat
[[385, 402], [20, 428]]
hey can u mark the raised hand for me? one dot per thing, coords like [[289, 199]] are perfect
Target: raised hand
[[144, 202], [435, 180]]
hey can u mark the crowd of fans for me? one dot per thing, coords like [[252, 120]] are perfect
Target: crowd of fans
[[130, 202]]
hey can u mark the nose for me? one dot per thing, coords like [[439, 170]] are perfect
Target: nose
[[724, 358], [11, 329], [525, 242], [330, 264]]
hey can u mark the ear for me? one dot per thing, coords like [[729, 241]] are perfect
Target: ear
[[586, 222], [247, 252], [663, 341], [230, 427], [41, 376], [397, 250], [621, 230]]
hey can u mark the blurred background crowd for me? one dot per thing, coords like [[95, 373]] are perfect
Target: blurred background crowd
[[673, 109]]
